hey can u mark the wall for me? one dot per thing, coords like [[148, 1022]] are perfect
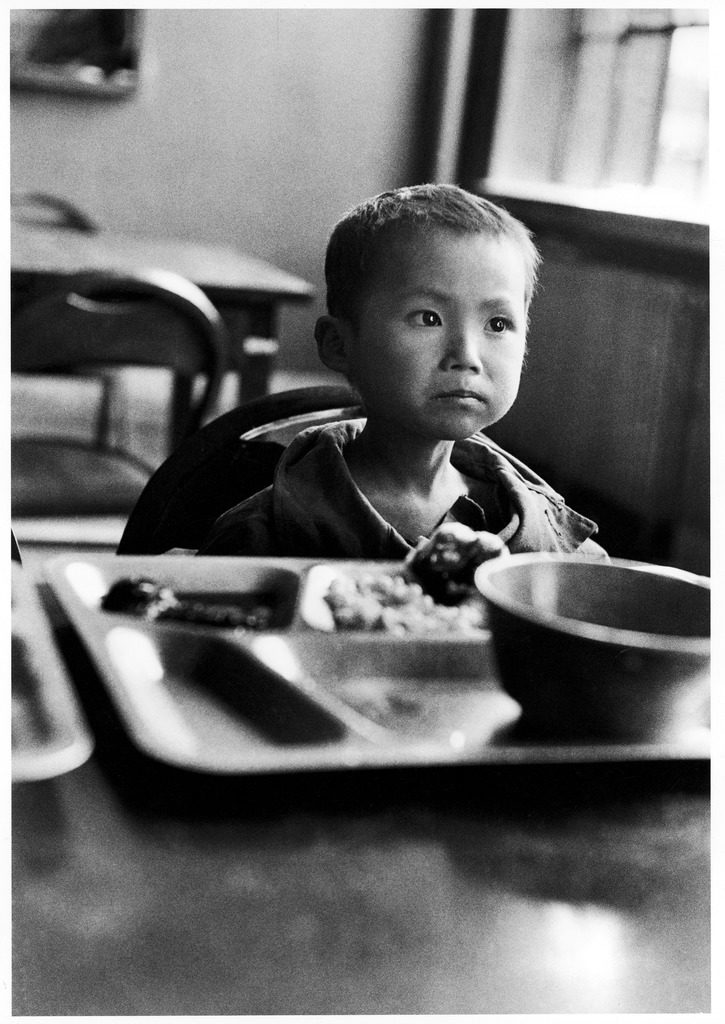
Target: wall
[[257, 128]]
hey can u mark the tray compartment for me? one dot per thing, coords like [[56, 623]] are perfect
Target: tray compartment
[[49, 735], [315, 612], [159, 669], [224, 582], [31, 724], [427, 690]]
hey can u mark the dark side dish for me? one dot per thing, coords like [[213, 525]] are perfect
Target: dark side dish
[[147, 599]]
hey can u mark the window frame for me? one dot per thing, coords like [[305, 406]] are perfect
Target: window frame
[[589, 218], [656, 244]]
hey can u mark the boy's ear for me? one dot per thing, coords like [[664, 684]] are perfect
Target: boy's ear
[[331, 336]]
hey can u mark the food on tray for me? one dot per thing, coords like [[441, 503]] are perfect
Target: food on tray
[[444, 563], [150, 600], [390, 602]]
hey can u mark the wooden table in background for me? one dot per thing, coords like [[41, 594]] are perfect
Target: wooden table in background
[[248, 292]]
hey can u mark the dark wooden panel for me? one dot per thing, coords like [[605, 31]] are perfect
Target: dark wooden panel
[[613, 398]]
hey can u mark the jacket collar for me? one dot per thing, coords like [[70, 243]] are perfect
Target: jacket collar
[[319, 510], [541, 519]]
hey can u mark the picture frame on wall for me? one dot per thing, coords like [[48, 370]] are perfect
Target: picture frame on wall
[[78, 51]]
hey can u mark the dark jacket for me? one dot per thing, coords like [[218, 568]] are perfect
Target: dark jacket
[[314, 509]]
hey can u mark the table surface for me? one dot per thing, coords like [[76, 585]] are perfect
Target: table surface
[[141, 890], [43, 252]]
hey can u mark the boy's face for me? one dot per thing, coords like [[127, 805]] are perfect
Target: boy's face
[[439, 339]]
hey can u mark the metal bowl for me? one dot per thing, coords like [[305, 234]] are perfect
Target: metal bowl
[[615, 650]]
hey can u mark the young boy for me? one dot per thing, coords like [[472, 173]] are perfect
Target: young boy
[[428, 293]]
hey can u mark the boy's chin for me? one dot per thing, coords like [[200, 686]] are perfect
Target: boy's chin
[[435, 425], [461, 435], [461, 427], [455, 435]]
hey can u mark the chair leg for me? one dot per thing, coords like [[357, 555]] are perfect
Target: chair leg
[[258, 358], [105, 409]]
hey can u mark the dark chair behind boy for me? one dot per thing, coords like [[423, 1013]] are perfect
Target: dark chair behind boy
[[96, 324], [226, 461]]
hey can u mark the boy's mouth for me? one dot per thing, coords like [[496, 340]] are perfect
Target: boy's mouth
[[462, 393]]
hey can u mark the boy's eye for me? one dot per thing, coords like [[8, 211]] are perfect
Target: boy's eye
[[499, 324], [426, 318]]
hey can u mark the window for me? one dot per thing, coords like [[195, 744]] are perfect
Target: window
[[606, 108]]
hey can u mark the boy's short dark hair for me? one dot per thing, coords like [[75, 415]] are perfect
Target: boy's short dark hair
[[354, 240]]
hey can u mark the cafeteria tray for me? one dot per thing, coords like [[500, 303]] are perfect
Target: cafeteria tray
[[49, 735], [298, 696]]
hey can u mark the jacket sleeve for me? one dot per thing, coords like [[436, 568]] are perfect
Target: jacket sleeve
[[246, 529]]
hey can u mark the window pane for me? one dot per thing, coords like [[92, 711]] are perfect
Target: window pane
[[683, 136], [606, 101]]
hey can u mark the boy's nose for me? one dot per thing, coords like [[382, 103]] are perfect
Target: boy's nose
[[463, 350]]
